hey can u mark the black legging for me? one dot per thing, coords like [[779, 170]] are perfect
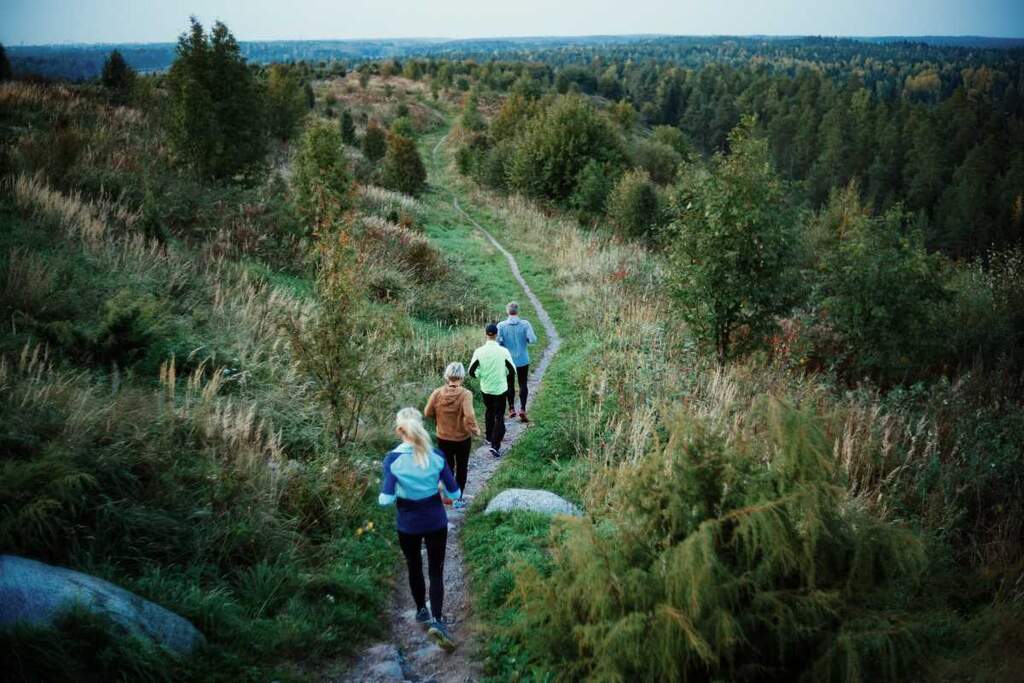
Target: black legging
[[494, 418], [456, 453], [523, 374], [436, 542]]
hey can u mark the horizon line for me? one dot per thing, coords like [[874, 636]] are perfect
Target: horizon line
[[442, 39]]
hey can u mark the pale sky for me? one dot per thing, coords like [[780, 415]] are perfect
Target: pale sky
[[107, 21]]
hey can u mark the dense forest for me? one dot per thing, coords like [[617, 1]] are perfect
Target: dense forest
[[788, 272]]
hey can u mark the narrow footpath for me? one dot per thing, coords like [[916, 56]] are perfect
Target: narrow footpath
[[408, 655]]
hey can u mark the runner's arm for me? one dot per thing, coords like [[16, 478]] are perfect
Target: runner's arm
[[428, 411], [387, 486], [451, 489], [469, 415]]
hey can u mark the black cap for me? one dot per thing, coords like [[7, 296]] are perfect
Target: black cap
[[491, 330]]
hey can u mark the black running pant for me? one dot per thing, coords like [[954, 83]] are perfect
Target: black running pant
[[522, 373], [494, 419], [456, 453], [436, 541]]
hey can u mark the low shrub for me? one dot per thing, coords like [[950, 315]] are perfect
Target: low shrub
[[726, 558]]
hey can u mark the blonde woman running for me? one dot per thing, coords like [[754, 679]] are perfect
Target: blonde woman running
[[412, 472]]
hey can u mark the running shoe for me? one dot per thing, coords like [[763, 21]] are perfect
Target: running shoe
[[423, 616], [512, 413], [522, 416], [460, 504], [495, 452], [438, 633]]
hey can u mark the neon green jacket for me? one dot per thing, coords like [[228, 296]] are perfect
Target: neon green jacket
[[492, 363]]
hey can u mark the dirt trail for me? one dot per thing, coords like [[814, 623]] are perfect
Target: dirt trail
[[408, 655]]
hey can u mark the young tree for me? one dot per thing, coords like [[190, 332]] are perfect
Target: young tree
[[321, 180], [375, 143], [117, 75], [403, 169], [335, 346], [6, 72], [347, 127], [216, 118], [286, 101], [633, 205], [734, 244]]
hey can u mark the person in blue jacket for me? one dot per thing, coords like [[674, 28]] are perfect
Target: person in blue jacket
[[515, 334], [412, 472]]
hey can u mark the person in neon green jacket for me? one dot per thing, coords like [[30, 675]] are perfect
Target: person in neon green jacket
[[491, 363]]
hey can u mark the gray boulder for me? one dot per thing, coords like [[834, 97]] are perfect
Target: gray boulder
[[36, 593], [535, 500]]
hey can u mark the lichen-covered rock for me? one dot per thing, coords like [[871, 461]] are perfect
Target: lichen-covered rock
[[36, 593], [534, 500]]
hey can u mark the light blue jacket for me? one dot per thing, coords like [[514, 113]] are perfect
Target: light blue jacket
[[515, 334]]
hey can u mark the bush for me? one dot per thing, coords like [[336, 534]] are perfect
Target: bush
[[659, 160], [492, 166], [633, 205], [403, 170], [592, 189], [879, 289], [375, 143], [347, 127], [556, 145], [403, 126], [726, 560]]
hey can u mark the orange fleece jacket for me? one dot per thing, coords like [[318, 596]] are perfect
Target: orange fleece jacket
[[451, 406]]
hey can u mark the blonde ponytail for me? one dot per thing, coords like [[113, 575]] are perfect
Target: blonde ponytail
[[409, 423]]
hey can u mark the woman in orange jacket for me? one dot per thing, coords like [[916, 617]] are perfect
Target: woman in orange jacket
[[451, 406]]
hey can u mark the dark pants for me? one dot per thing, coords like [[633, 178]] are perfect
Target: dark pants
[[436, 541], [494, 418], [456, 453], [522, 374]]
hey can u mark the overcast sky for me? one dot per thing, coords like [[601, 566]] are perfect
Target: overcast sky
[[93, 21]]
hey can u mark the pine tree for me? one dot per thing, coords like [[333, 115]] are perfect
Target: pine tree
[[286, 101], [403, 169], [375, 143], [321, 180], [347, 127], [216, 122], [117, 75]]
